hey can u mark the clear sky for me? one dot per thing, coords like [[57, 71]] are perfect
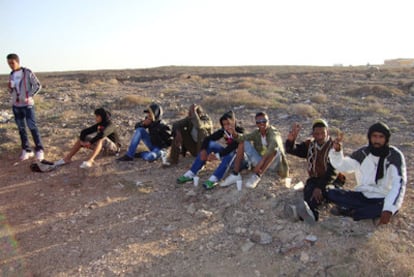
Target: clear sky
[[54, 35]]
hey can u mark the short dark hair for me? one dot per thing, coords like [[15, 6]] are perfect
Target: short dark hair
[[264, 114], [13, 57]]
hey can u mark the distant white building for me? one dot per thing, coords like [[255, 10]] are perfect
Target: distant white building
[[399, 62]]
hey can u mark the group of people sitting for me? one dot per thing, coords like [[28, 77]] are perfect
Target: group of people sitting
[[379, 168]]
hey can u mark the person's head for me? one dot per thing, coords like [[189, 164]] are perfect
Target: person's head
[[194, 108], [154, 112], [320, 131], [14, 61], [102, 116], [379, 135], [228, 121], [262, 121]]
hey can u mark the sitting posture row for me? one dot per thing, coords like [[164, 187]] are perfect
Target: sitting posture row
[[379, 168]]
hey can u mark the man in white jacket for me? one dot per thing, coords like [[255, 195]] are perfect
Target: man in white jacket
[[380, 173]]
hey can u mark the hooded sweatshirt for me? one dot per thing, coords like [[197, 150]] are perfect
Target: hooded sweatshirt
[[104, 129]]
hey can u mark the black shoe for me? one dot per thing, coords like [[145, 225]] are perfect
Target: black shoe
[[125, 158], [340, 211]]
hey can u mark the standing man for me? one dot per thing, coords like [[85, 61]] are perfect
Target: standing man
[[23, 86], [381, 177], [263, 148], [321, 173]]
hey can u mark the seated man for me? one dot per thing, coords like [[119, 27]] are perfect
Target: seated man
[[321, 172], [211, 150], [157, 138], [106, 139], [189, 133], [267, 151], [381, 177]]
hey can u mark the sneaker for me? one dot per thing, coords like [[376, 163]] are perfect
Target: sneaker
[[125, 158], [184, 179], [209, 184], [60, 162], [40, 155], [305, 213], [253, 181], [86, 164], [26, 155], [231, 179]]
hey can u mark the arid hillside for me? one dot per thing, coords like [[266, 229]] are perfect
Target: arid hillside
[[132, 219]]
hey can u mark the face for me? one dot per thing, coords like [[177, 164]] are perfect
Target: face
[[378, 139], [14, 64], [320, 134], [228, 125], [262, 123], [98, 118]]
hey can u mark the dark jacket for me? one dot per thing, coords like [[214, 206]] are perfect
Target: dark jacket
[[160, 133], [231, 143], [108, 130]]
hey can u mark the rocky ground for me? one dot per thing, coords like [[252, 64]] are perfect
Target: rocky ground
[[132, 219]]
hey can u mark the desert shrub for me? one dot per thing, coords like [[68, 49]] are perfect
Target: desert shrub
[[134, 100], [378, 90], [305, 110], [253, 83], [238, 98], [319, 98]]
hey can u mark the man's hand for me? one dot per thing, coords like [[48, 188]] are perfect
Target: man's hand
[[317, 195], [147, 121], [86, 144], [337, 144], [203, 155], [178, 139], [293, 134], [385, 217]]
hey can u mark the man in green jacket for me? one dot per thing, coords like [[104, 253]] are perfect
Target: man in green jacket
[[263, 148], [189, 133]]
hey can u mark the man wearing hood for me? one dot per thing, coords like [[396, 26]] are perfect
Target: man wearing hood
[[381, 178], [157, 138], [101, 136]]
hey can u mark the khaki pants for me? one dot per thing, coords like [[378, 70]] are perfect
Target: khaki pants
[[108, 146]]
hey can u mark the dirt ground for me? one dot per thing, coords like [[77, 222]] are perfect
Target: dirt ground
[[132, 219]]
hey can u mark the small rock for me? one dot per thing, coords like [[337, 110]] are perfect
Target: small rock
[[261, 238], [191, 193], [203, 214], [191, 209], [247, 246], [304, 257], [311, 238]]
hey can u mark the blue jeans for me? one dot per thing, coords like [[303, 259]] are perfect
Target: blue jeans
[[214, 147], [360, 206], [254, 157], [142, 134], [23, 116]]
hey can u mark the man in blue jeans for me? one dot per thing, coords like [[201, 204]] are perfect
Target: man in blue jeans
[[212, 150], [23, 86], [156, 139]]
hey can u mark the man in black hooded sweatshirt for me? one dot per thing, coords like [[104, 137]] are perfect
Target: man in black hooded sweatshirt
[[100, 136], [381, 178]]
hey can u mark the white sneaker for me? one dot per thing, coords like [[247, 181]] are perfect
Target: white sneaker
[[86, 164], [252, 181], [26, 155], [60, 162], [40, 155], [231, 179], [304, 212]]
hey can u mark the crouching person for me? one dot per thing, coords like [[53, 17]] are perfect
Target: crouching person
[[156, 139], [101, 136], [212, 150], [189, 133], [320, 170], [263, 149], [381, 178]]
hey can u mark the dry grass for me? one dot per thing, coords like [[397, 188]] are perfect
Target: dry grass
[[253, 83], [319, 98], [239, 98], [305, 110], [378, 90], [134, 100]]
